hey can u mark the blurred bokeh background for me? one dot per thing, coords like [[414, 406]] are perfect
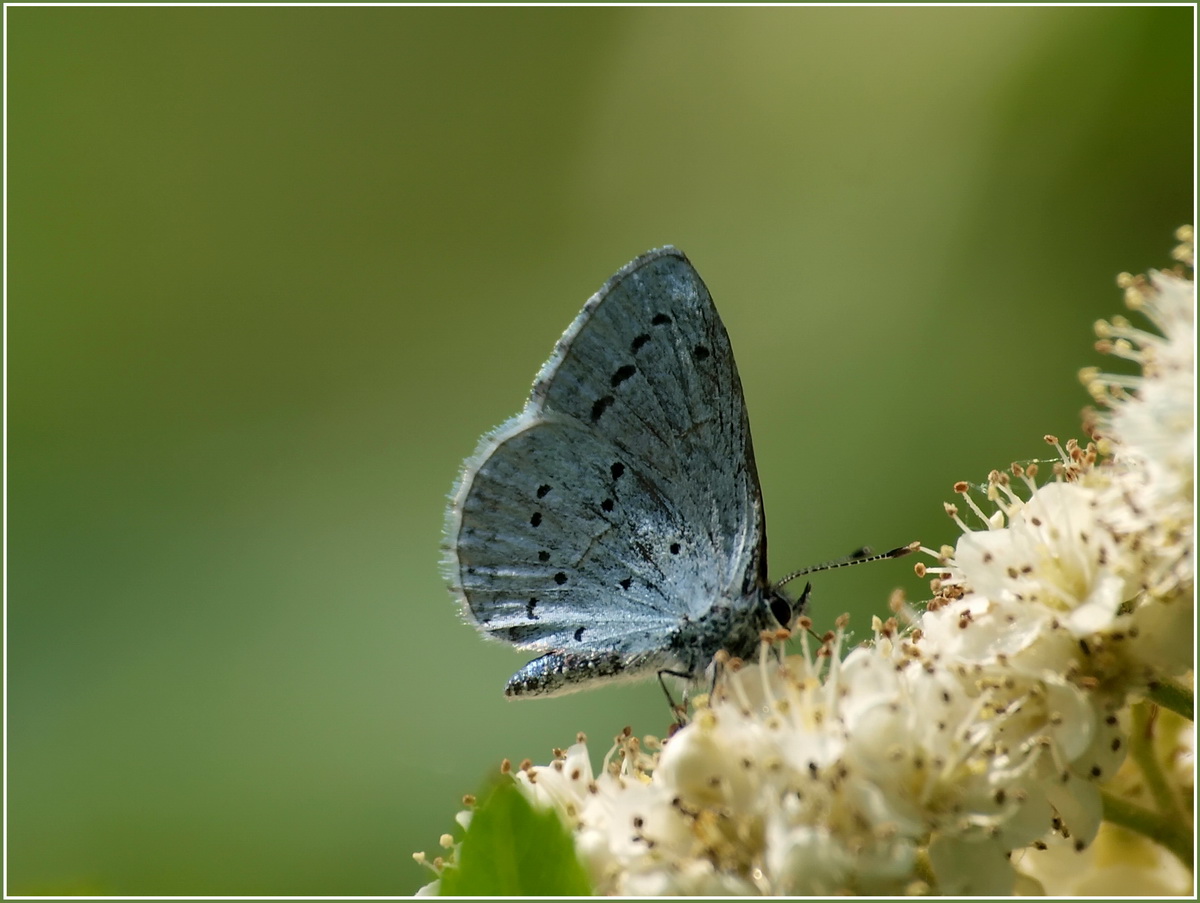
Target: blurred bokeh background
[[273, 271]]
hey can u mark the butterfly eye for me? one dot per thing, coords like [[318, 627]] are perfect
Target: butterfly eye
[[782, 610]]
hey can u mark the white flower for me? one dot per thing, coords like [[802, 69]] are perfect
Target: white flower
[[1044, 592], [564, 785], [1055, 556]]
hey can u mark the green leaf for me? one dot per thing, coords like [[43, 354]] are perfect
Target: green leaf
[[513, 849]]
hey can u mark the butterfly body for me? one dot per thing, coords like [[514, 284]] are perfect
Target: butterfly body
[[615, 525]]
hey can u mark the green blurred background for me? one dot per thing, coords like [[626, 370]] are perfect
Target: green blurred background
[[273, 271]]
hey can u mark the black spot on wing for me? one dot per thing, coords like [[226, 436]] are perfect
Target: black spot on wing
[[542, 490], [638, 342], [579, 634], [600, 406], [529, 606], [616, 470], [660, 320], [622, 374], [521, 632], [560, 578], [701, 352], [543, 555], [536, 520], [607, 504]]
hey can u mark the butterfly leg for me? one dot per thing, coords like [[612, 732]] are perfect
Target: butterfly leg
[[678, 711], [716, 673]]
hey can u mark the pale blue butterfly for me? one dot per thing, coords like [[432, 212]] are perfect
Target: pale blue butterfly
[[616, 525]]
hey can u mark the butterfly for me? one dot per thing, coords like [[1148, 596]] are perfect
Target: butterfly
[[615, 525]]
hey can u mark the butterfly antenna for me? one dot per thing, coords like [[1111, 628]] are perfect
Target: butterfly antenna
[[861, 556]]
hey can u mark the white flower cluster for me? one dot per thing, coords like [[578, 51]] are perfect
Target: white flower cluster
[[970, 736], [892, 771]]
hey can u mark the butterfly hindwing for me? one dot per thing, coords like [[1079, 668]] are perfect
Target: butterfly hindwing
[[559, 542]]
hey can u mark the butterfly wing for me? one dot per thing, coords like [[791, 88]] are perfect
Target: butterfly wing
[[624, 497]]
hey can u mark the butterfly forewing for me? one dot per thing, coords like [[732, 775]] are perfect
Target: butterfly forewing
[[624, 497]]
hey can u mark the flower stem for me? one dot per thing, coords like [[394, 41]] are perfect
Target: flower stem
[[1173, 696], [923, 869], [1166, 832], [1141, 748]]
